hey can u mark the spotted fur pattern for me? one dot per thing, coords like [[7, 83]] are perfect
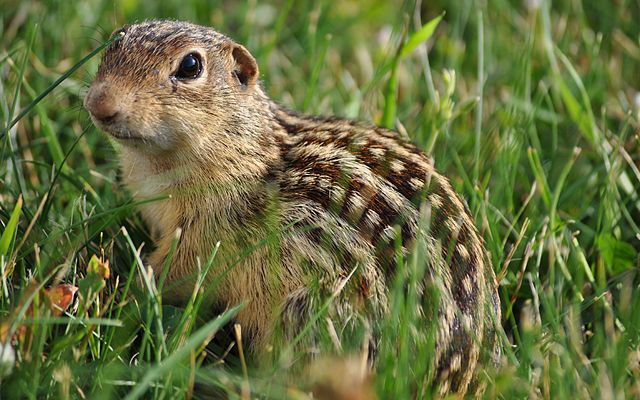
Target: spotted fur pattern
[[322, 203]]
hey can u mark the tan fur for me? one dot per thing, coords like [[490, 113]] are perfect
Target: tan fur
[[320, 202]]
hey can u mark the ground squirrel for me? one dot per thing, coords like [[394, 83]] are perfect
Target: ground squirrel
[[184, 107]]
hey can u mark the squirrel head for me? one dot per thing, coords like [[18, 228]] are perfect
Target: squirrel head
[[169, 87]]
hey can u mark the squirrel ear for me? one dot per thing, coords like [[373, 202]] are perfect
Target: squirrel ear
[[245, 66]]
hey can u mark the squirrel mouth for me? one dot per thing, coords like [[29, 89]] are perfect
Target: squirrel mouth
[[117, 131], [124, 135]]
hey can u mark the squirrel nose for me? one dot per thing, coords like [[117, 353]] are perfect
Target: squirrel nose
[[102, 103]]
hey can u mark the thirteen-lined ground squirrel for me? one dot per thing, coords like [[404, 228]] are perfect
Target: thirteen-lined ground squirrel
[[191, 122]]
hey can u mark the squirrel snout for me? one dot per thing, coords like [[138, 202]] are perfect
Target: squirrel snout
[[103, 104]]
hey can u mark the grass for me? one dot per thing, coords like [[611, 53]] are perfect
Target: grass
[[529, 107]]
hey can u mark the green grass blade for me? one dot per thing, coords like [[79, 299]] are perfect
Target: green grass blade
[[391, 91], [420, 36], [23, 66], [196, 340], [560, 185], [312, 84], [390, 106], [540, 176], [478, 126], [9, 55], [581, 114], [55, 84], [10, 230]]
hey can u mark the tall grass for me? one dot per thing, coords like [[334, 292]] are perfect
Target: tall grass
[[530, 107]]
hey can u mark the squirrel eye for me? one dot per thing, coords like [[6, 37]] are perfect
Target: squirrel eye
[[190, 67]]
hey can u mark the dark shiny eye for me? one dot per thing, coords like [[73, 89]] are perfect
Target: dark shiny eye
[[190, 67]]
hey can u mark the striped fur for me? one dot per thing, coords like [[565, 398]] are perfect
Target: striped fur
[[320, 202]]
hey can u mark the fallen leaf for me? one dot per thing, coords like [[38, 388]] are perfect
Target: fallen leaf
[[61, 297]]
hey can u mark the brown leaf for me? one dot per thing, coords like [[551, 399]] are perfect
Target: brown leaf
[[60, 297], [20, 331]]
